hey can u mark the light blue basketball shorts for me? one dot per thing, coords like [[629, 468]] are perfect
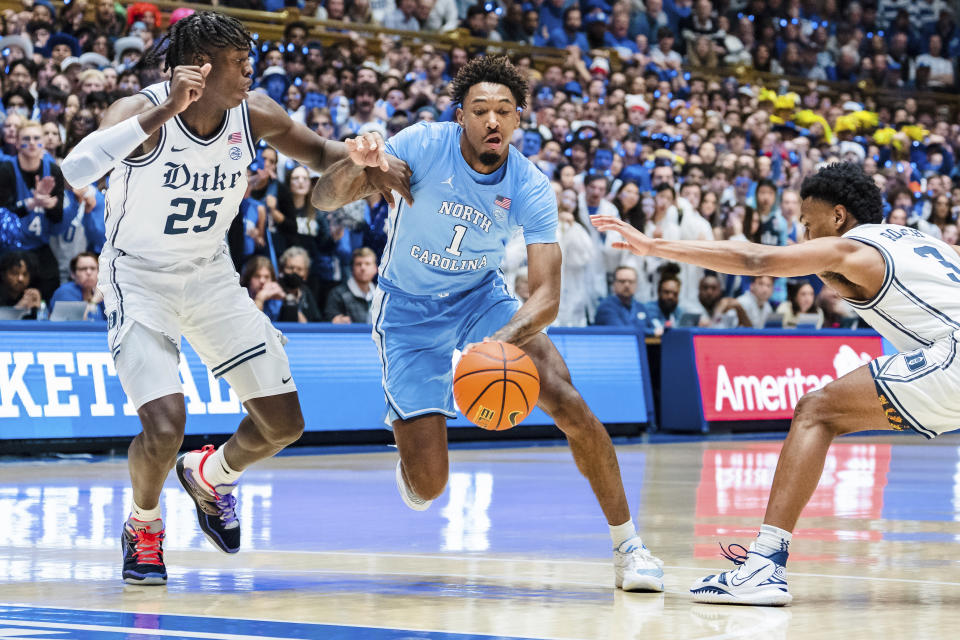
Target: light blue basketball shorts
[[416, 337]]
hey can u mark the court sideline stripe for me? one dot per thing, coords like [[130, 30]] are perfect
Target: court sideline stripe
[[218, 636], [137, 630]]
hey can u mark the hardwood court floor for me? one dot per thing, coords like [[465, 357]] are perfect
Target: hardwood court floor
[[516, 548]]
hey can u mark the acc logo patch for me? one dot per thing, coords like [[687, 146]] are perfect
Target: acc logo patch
[[483, 415], [235, 153]]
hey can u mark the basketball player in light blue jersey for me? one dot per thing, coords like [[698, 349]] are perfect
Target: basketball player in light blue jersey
[[440, 289]]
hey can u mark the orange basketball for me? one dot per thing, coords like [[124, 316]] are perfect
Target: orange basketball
[[496, 385]]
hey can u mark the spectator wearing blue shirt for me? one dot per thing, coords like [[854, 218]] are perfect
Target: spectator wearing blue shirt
[[551, 15], [621, 309], [658, 14], [84, 270], [618, 36], [664, 312], [570, 33]]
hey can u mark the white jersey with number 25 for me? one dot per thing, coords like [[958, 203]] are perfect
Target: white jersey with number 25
[[176, 202]]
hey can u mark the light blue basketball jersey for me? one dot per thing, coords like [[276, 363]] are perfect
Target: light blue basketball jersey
[[455, 232]]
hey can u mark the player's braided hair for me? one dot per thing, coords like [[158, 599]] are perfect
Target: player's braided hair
[[200, 33], [846, 184], [498, 70]]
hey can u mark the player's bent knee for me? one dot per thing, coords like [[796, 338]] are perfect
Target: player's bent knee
[[812, 412], [283, 432], [427, 487], [559, 398], [427, 479], [162, 439]]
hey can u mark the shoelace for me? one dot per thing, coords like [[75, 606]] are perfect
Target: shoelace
[[146, 546], [644, 553], [733, 556], [226, 505]]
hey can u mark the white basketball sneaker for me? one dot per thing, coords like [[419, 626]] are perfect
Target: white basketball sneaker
[[635, 568], [410, 499], [757, 580]]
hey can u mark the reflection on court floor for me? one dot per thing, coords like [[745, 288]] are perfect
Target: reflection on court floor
[[515, 548]]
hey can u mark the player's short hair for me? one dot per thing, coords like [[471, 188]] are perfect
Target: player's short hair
[[497, 70], [846, 184], [200, 33]]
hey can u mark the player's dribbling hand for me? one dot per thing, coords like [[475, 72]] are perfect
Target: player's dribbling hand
[[633, 240], [469, 347], [187, 85]]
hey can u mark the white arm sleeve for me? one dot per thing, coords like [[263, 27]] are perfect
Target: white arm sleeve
[[101, 151]]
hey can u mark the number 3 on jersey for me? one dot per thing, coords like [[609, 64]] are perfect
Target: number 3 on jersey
[[926, 251], [190, 205], [458, 232]]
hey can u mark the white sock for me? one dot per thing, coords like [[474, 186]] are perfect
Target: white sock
[[145, 515], [622, 532], [771, 540], [218, 473]]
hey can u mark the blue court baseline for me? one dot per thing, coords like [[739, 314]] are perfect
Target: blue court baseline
[[79, 624]]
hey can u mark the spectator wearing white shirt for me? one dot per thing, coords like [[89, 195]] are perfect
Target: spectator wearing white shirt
[[663, 54], [593, 202], [756, 301], [941, 69]]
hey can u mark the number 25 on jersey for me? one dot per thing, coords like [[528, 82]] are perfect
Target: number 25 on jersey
[[189, 205]]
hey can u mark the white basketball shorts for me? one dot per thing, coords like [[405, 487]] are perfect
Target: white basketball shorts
[[201, 300], [920, 389]]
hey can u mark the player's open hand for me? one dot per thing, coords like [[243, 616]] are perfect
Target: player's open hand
[[633, 240], [187, 85], [395, 178], [368, 150]]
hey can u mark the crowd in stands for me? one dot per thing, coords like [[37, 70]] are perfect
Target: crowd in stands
[[642, 120]]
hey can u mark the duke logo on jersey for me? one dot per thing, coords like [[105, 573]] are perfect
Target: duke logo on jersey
[[185, 192]]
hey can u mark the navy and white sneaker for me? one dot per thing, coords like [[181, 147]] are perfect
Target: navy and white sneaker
[[757, 580], [142, 544], [635, 568], [216, 505]]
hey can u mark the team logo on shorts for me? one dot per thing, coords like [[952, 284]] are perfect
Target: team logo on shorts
[[112, 320], [235, 153], [483, 415], [915, 360]]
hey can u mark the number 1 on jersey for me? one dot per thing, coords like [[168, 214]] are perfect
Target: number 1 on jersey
[[458, 233]]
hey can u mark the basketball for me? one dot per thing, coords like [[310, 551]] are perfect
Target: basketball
[[496, 385]]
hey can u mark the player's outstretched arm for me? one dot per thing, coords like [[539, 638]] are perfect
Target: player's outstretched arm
[[832, 254], [129, 124], [350, 179], [540, 309]]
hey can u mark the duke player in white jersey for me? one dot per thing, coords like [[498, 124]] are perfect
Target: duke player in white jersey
[[440, 289], [906, 284], [179, 152]]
